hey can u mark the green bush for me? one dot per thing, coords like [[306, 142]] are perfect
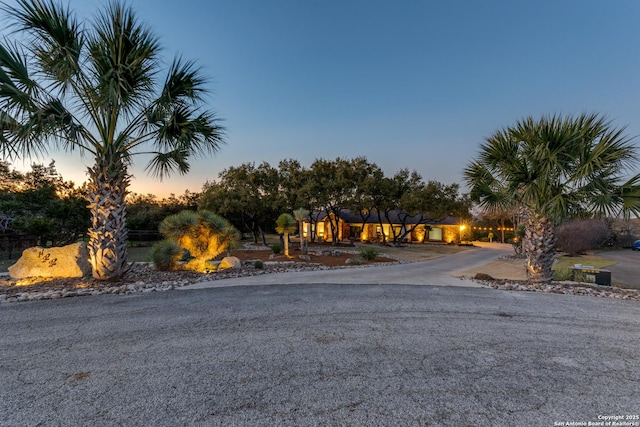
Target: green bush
[[369, 254], [276, 248], [259, 265], [561, 274], [166, 254]]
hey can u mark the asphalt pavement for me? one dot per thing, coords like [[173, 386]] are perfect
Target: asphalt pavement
[[626, 271], [323, 354]]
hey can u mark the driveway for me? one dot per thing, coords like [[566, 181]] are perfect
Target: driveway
[[335, 355], [434, 272], [627, 269]]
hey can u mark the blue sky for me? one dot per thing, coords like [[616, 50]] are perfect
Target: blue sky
[[415, 84]]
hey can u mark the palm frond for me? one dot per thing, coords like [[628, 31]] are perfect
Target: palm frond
[[124, 58], [64, 74], [630, 193], [164, 164], [558, 166], [55, 38], [185, 85]]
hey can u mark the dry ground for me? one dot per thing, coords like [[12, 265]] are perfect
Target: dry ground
[[512, 269], [294, 255]]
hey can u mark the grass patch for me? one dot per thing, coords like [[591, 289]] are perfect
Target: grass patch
[[566, 262]]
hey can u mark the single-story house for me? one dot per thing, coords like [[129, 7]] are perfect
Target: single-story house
[[370, 227]]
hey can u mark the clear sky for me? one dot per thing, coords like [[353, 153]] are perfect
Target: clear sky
[[415, 84]]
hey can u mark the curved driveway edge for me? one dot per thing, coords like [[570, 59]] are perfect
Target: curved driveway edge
[[434, 272]]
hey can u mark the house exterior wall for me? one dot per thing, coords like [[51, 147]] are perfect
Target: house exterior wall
[[373, 232], [450, 233]]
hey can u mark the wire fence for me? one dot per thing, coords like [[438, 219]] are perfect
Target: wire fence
[[143, 238], [12, 245]]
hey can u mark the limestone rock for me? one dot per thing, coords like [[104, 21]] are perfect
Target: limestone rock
[[305, 257], [67, 261], [229, 262]]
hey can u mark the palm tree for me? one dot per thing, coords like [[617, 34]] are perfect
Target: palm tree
[[555, 167], [286, 224], [94, 88], [301, 215]]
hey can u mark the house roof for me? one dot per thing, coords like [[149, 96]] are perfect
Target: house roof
[[395, 217]]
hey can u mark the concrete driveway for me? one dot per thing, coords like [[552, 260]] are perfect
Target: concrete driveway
[[335, 355], [434, 272]]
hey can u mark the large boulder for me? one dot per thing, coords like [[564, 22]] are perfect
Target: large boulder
[[67, 261], [229, 262]]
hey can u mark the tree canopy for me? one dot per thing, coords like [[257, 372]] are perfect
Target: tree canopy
[[41, 205], [252, 196]]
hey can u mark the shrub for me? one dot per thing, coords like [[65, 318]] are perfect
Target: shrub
[[368, 253], [276, 248], [625, 240], [578, 236], [258, 264], [204, 234], [562, 274], [166, 254]]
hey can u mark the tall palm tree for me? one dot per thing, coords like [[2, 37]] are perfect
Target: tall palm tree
[[555, 167], [95, 87]]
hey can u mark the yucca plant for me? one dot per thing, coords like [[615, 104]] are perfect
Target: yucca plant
[[204, 234], [301, 215], [94, 86], [555, 167], [285, 224], [165, 254]]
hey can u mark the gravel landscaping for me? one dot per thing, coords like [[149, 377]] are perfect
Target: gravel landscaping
[[568, 288], [142, 278]]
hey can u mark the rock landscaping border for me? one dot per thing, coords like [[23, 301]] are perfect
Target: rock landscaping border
[[566, 288], [143, 279]]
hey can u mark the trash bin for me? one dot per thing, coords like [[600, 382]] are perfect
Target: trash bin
[[596, 275]]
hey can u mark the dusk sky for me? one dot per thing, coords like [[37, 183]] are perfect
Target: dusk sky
[[416, 84]]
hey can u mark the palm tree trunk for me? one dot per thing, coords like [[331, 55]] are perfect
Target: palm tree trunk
[[539, 244], [286, 245], [108, 182]]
